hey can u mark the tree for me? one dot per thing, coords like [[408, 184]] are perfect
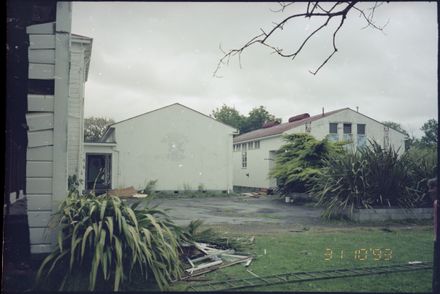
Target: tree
[[396, 126], [229, 116], [256, 118], [430, 128], [316, 10], [94, 128], [299, 161]]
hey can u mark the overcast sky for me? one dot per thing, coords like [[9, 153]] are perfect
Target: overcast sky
[[148, 55]]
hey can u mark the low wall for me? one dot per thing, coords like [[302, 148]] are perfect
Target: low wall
[[383, 214]]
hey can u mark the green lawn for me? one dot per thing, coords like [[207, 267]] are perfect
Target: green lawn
[[289, 252]]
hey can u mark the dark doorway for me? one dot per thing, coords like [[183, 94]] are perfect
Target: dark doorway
[[98, 172]]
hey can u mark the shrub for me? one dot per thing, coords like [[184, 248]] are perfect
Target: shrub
[[298, 162], [108, 239], [423, 166], [371, 177]]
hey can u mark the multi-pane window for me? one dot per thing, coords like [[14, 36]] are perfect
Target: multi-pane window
[[257, 145], [347, 128], [361, 137], [347, 132], [251, 145], [361, 129], [333, 128], [244, 159], [333, 132]]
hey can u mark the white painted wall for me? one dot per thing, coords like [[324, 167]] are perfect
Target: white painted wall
[[258, 165], [76, 108], [177, 146]]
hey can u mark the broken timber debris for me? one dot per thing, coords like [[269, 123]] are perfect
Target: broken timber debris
[[126, 193], [211, 259]]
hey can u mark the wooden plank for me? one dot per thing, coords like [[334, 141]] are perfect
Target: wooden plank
[[41, 56], [39, 71], [39, 153], [40, 103], [39, 235], [41, 29], [38, 219], [41, 248], [40, 138], [39, 121], [39, 185], [39, 169], [41, 41], [39, 202]]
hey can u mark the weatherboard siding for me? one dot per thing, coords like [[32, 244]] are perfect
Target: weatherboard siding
[[46, 167]]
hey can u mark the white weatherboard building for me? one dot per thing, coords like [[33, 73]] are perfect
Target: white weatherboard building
[[254, 152], [58, 66], [179, 147]]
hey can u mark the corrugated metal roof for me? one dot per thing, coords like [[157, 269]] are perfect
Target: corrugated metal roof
[[281, 128]]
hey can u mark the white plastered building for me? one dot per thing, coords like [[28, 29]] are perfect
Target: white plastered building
[[254, 152], [179, 147]]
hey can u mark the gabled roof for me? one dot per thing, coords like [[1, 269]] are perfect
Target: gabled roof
[[281, 128], [110, 127]]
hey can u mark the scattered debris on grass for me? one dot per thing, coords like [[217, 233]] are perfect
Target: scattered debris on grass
[[201, 258]]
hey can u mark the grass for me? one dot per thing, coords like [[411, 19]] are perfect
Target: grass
[[290, 252]]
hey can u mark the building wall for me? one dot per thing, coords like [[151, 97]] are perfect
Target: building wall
[[177, 146], [76, 109], [373, 130], [260, 161]]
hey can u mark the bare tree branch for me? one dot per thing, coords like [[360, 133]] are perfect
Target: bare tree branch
[[339, 10]]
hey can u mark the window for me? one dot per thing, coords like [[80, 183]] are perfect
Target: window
[[257, 145], [347, 132], [347, 128], [243, 146], [251, 145], [333, 132], [361, 129], [333, 128], [244, 159], [361, 138]]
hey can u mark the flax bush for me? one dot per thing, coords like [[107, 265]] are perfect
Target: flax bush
[[108, 240], [372, 177]]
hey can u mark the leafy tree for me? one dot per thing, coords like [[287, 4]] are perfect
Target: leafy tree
[[94, 128], [229, 115], [256, 118], [299, 161], [410, 141], [396, 126], [430, 128]]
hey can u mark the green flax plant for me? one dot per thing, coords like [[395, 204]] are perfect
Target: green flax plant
[[107, 239], [370, 177]]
